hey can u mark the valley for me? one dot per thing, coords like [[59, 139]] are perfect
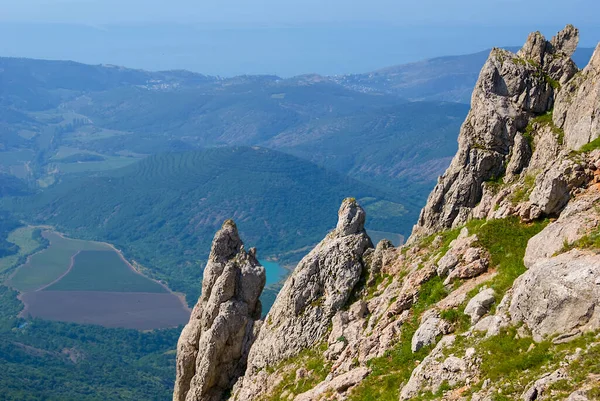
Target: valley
[[92, 283]]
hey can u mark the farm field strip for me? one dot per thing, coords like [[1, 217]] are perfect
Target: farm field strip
[[134, 310], [103, 271], [23, 237], [92, 283], [49, 264]]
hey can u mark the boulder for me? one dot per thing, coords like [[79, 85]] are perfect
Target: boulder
[[432, 326], [559, 295], [480, 304]]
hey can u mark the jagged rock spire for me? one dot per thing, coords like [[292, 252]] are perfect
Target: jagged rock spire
[[511, 89], [213, 347], [320, 286]]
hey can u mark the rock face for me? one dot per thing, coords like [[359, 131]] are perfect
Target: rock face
[[559, 295], [580, 216], [437, 369], [511, 89], [577, 109], [213, 346], [319, 287]]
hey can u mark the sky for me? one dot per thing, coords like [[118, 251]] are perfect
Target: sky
[[283, 37]]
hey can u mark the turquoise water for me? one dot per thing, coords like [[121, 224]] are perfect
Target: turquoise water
[[275, 272]]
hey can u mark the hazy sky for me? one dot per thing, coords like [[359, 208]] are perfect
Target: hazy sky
[[503, 12], [284, 37]]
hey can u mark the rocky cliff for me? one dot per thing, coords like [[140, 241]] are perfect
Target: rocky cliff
[[496, 295], [213, 347]]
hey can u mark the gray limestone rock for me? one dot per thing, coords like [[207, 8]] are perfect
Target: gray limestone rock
[[432, 326], [540, 386], [213, 346], [553, 187], [480, 304], [579, 217], [437, 369], [577, 109], [510, 91], [318, 288], [559, 295]]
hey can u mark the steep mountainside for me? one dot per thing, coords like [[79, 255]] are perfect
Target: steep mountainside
[[495, 297], [163, 210]]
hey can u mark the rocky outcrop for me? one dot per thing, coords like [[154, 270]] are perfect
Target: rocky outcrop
[[480, 304], [432, 326], [536, 390], [511, 89], [338, 385], [463, 259], [553, 187], [318, 288], [437, 369], [579, 217], [559, 295], [213, 346], [577, 109]]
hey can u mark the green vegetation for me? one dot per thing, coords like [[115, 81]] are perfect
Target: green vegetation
[[164, 210], [28, 240], [522, 193], [317, 369], [588, 147], [103, 271], [506, 356], [59, 361], [505, 240], [396, 366], [7, 225], [46, 266]]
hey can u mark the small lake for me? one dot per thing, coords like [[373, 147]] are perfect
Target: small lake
[[275, 272]]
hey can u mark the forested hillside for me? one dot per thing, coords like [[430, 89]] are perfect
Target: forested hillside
[[163, 210]]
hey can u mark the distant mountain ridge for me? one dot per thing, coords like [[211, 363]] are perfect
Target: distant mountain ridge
[[449, 78]]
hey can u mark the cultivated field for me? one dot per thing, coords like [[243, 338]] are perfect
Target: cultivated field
[[90, 282], [103, 271], [136, 310], [48, 265], [23, 237]]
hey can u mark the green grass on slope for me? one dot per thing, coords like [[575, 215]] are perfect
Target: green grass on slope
[[396, 366], [506, 241], [103, 271]]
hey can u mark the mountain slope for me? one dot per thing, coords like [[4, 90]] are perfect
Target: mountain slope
[[163, 210], [496, 294]]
